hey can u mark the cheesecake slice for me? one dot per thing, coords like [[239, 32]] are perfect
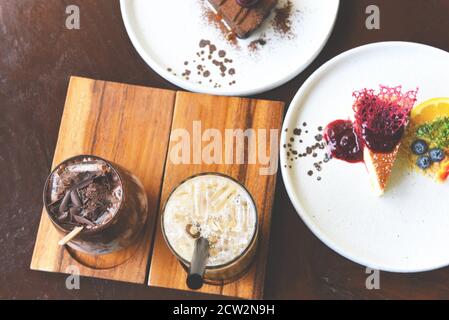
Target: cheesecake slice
[[379, 167], [380, 121]]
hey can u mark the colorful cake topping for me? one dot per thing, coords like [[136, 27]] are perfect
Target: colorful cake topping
[[443, 172], [380, 119], [436, 131], [424, 162], [419, 147], [428, 137]]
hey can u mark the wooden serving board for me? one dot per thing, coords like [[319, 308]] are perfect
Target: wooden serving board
[[220, 113], [131, 126], [124, 124]]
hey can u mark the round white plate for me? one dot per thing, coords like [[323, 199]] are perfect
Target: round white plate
[[167, 33], [405, 230]]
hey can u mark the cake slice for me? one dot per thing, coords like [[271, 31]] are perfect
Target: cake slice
[[379, 167], [243, 17], [380, 122]]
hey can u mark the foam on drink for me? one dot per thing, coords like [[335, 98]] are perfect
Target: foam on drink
[[213, 207]]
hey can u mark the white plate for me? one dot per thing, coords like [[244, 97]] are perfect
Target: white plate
[[407, 229], [167, 33]]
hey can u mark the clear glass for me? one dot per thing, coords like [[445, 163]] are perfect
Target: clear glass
[[220, 209], [125, 224]]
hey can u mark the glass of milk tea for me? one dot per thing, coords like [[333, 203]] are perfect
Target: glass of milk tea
[[217, 208]]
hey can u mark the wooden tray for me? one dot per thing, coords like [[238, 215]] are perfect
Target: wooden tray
[[131, 125], [123, 124], [220, 113]]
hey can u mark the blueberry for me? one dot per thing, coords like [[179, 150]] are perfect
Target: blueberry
[[419, 147], [436, 155], [424, 162]]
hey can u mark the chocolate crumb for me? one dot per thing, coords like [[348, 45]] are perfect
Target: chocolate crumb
[[309, 150], [257, 44], [204, 43], [207, 48]]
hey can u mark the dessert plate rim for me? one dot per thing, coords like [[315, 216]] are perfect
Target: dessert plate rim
[[235, 91]]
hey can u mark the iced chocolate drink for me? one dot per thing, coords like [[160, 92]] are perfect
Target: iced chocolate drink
[[220, 210], [106, 201]]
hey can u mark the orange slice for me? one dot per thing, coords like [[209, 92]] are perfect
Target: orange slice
[[430, 110]]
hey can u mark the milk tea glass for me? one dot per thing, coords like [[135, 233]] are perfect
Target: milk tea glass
[[220, 209]]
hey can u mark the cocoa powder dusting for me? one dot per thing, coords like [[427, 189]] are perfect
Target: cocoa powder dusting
[[282, 20]]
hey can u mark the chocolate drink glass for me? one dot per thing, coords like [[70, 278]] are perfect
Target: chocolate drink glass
[[220, 209], [106, 200]]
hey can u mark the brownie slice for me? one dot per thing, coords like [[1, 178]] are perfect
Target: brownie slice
[[243, 21]]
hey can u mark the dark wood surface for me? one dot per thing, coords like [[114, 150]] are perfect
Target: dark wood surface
[[37, 56]]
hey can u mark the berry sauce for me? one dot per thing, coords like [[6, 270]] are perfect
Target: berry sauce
[[343, 142]]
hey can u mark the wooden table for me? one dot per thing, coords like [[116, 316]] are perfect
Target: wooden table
[[37, 56]]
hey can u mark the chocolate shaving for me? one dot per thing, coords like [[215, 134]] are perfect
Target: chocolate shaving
[[75, 210], [85, 201], [74, 197], [83, 220], [65, 202]]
